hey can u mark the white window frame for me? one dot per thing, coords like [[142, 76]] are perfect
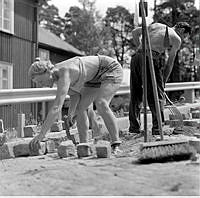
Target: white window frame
[[9, 68], [10, 14], [44, 54]]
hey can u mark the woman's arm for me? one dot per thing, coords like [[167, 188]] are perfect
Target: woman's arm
[[62, 90]]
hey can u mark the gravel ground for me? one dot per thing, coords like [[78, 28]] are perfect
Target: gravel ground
[[119, 175]]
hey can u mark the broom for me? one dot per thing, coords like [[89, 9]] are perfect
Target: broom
[[163, 150]]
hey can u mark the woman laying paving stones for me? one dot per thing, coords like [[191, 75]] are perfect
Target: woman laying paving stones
[[86, 80]]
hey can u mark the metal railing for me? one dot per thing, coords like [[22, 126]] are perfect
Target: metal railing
[[16, 101], [32, 95]]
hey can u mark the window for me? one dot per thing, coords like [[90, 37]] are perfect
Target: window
[[6, 75], [44, 54], [7, 15]]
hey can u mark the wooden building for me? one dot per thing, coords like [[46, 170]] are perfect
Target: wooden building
[[19, 41]]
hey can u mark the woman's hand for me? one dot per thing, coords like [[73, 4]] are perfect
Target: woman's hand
[[34, 145]]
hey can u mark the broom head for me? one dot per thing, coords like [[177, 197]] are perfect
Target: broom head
[[164, 151]]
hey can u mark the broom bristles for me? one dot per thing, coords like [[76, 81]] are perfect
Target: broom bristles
[[162, 152]]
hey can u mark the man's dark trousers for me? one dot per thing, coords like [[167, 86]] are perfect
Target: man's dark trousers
[[136, 90]]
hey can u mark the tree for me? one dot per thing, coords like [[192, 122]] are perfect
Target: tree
[[81, 29], [172, 11], [119, 23], [49, 18]]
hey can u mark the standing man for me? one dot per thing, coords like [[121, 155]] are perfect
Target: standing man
[[163, 64]]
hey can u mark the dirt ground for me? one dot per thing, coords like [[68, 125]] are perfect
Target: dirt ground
[[49, 175]]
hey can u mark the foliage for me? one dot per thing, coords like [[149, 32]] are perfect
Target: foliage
[[172, 11], [119, 23], [81, 29], [86, 30], [49, 18]]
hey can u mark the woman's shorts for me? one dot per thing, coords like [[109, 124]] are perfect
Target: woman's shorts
[[110, 71]]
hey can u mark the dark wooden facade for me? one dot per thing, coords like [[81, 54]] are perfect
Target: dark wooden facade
[[21, 48]]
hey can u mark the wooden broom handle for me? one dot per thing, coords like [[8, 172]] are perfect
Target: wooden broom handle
[[152, 72]]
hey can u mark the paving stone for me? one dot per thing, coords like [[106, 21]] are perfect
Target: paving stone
[[50, 146], [197, 135], [192, 123], [174, 123], [84, 150], [123, 123], [30, 130], [21, 149], [186, 116], [57, 137], [1, 126], [195, 144], [103, 149], [60, 134], [192, 109], [66, 149], [6, 151], [57, 126], [3, 138], [196, 114], [40, 151]]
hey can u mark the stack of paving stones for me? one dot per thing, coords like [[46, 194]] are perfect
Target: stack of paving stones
[[19, 147], [57, 134], [195, 118], [55, 141], [191, 118]]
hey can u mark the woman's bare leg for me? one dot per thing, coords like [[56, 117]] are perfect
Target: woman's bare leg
[[93, 121], [102, 97], [105, 94], [87, 97], [83, 126]]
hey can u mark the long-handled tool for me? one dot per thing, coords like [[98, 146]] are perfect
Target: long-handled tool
[[162, 150], [175, 112]]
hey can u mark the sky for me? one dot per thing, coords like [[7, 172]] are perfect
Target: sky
[[102, 5]]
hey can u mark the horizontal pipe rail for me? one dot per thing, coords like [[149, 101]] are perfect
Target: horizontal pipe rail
[[32, 95], [182, 86]]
